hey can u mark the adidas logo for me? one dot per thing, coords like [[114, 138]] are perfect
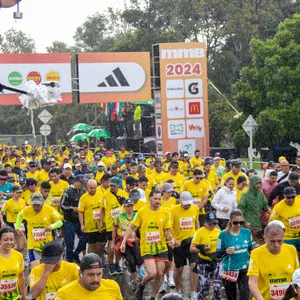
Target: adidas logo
[[114, 80]]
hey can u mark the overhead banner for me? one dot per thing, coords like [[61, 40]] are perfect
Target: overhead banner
[[181, 101], [17, 69], [114, 77]]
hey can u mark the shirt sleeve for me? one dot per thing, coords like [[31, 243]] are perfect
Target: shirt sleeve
[[81, 205], [220, 242], [137, 220], [253, 269], [33, 277]]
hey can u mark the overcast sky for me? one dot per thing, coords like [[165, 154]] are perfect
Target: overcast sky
[[53, 20]]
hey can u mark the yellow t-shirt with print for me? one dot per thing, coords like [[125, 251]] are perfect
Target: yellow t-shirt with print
[[289, 216], [99, 175], [239, 193], [42, 176], [57, 190], [26, 195], [235, 177], [122, 155], [152, 225], [184, 221], [32, 175], [90, 206], [158, 177], [168, 204], [178, 179], [198, 191], [36, 224], [196, 162], [213, 179], [108, 290], [274, 271], [10, 270], [66, 274], [108, 161], [112, 207], [204, 236], [12, 208]]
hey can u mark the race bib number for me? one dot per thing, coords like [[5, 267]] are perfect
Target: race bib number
[[39, 234], [8, 286], [115, 212], [2, 203], [22, 227], [196, 201], [186, 223], [294, 222], [153, 237], [277, 291], [50, 296], [230, 275], [96, 214]]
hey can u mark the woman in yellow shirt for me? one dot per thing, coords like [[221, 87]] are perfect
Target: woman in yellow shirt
[[12, 281]]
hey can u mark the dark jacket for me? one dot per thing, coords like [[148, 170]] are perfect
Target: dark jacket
[[70, 199], [278, 191]]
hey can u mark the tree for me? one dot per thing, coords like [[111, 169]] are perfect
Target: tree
[[269, 89], [14, 41]]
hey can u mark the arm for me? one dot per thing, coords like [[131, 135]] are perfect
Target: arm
[[114, 234], [80, 217], [203, 202], [131, 228], [215, 203], [18, 222], [170, 237], [2, 224], [102, 215], [22, 285], [193, 248], [275, 192], [253, 286], [65, 202]]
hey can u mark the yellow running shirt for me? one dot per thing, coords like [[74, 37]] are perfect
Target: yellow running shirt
[[112, 207], [289, 216], [152, 225], [204, 236], [91, 207], [42, 176], [67, 273], [178, 179], [108, 290], [184, 221], [235, 177], [274, 271], [36, 223], [12, 208], [10, 269], [168, 204]]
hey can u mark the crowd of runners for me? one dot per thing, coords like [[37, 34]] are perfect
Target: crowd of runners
[[68, 213]]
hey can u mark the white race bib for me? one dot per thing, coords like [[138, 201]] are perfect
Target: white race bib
[[294, 222], [96, 214], [115, 212], [50, 296], [153, 237], [8, 286], [39, 234], [230, 275], [196, 201], [277, 291], [186, 223]]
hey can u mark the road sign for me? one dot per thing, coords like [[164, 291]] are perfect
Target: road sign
[[45, 116], [249, 124], [45, 130]]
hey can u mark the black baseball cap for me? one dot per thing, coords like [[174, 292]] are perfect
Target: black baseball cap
[[52, 252], [174, 164], [210, 218], [128, 202], [135, 194], [290, 191], [130, 180], [17, 188], [91, 261], [30, 181], [236, 163], [294, 177]]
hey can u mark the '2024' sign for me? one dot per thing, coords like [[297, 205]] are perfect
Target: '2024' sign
[[183, 69]]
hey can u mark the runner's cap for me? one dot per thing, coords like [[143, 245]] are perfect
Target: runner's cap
[[81, 178], [100, 164], [294, 177], [210, 218], [135, 194], [17, 189], [114, 181], [128, 202], [91, 261], [52, 252], [186, 198], [167, 187], [174, 164], [124, 172], [30, 181], [67, 165], [289, 191], [37, 199]]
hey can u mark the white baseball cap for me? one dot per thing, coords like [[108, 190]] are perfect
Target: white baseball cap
[[67, 165], [186, 198]]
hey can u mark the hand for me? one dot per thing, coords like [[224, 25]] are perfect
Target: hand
[[248, 225], [48, 228], [172, 243], [113, 246], [48, 268], [75, 209], [82, 228], [230, 250], [225, 209], [206, 247], [19, 232], [101, 227], [3, 224], [123, 247]]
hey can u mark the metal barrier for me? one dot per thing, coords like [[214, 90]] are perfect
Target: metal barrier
[[19, 140]]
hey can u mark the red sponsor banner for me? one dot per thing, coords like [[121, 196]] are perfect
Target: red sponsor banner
[[17, 69]]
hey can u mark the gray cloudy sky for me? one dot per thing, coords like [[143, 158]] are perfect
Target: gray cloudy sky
[[50, 20]]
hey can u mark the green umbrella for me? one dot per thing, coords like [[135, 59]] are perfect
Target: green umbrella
[[79, 137], [82, 126], [98, 133]]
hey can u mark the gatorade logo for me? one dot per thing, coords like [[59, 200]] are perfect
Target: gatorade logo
[[194, 88]]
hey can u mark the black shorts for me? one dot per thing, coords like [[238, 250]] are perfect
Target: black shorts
[[170, 253], [108, 235], [95, 237], [163, 256], [182, 254]]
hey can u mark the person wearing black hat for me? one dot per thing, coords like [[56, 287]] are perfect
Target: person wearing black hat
[[33, 167], [208, 265], [69, 205], [90, 285], [132, 251], [288, 212], [278, 191], [158, 173], [31, 188], [175, 175], [53, 273]]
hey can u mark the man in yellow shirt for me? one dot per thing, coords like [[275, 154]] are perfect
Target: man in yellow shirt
[[158, 174], [272, 265], [43, 175], [122, 153], [155, 229], [100, 171], [184, 219], [31, 185], [141, 170], [211, 176], [175, 175], [90, 285], [109, 159], [235, 173], [33, 173], [196, 160], [199, 190], [47, 278]]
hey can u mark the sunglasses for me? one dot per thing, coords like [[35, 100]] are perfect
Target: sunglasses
[[3, 179], [238, 222], [199, 178], [293, 197]]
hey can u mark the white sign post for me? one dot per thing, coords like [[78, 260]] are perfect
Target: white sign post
[[249, 126], [45, 117]]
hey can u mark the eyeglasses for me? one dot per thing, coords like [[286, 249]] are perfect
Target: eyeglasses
[[238, 222], [3, 178], [199, 178], [292, 197]]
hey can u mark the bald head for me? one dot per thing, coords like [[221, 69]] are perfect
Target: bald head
[[92, 186]]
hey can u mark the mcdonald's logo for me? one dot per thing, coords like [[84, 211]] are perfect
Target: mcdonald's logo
[[194, 108]]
